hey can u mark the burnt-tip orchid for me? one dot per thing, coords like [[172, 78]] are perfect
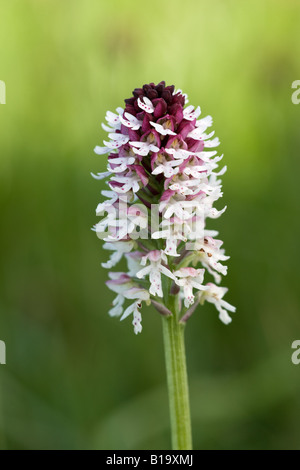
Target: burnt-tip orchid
[[163, 183]]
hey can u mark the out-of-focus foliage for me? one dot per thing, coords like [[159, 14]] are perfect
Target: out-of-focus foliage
[[74, 377]]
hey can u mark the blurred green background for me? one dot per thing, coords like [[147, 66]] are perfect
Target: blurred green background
[[74, 377]]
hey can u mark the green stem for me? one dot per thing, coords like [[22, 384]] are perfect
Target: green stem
[[173, 333]]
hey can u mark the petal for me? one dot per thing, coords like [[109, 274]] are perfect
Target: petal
[[146, 105]]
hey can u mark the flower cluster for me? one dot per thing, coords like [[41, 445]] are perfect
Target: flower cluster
[[163, 184]]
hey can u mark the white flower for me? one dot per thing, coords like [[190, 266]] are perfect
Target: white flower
[[119, 249], [181, 154], [163, 164], [190, 113], [190, 279], [117, 140], [146, 105], [209, 252], [162, 129], [117, 309], [129, 182], [143, 148], [114, 119], [122, 284], [137, 317], [214, 294], [155, 269], [130, 121]]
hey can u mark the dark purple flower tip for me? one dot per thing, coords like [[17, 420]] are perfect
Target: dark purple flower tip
[[133, 135], [146, 123], [185, 127], [177, 111], [157, 92], [160, 107], [195, 145]]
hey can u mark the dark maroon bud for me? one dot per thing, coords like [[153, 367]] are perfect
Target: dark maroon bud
[[140, 115], [136, 106], [195, 145], [185, 127], [146, 126], [160, 88], [137, 92], [177, 111], [124, 129], [170, 88], [146, 88], [160, 107], [130, 100], [130, 109], [166, 95], [179, 98], [133, 135], [152, 94]]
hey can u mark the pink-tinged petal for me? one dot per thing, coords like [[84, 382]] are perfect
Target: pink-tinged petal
[[166, 195], [123, 279], [154, 255], [195, 145], [141, 173], [133, 135], [154, 157], [176, 110], [124, 130], [137, 293], [167, 183], [185, 127], [146, 127], [185, 272], [190, 197]]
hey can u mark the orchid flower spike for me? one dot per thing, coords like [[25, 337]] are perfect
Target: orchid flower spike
[[163, 180]]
